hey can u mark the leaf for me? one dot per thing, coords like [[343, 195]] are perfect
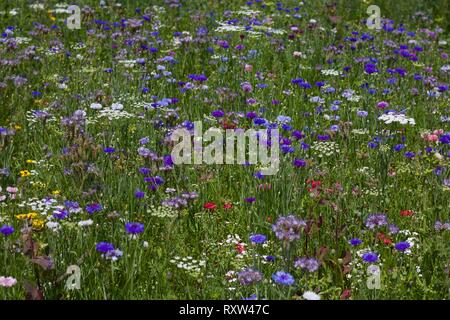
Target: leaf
[[347, 258], [335, 19], [322, 253], [45, 262], [32, 292]]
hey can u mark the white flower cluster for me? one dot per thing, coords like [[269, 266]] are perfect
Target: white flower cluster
[[325, 148], [189, 264], [114, 114], [391, 117], [43, 206], [162, 212], [330, 72]]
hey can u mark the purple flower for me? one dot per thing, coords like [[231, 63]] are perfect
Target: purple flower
[[370, 257], [445, 139], [410, 154], [250, 199], [134, 227], [6, 230], [139, 194], [355, 242], [299, 163], [376, 220], [258, 238], [249, 276], [93, 207], [109, 150], [104, 247], [370, 68], [217, 113], [60, 214], [402, 246], [309, 264], [288, 228], [283, 278]]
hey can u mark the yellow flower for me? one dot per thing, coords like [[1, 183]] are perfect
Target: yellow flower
[[56, 192], [38, 224], [30, 161], [31, 215], [25, 173], [21, 216], [17, 127]]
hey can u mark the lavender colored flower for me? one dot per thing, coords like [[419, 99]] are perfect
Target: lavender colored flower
[[249, 276], [439, 226], [288, 228], [134, 227], [309, 264], [283, 278], [258, 238], [376, 220]]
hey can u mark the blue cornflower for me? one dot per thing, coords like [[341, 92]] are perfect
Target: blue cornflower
[[370, 257], [134, 227], [355, 241], [104, 247], [6, 230], [93, 207], [258, 238], [283, 278], [402, 246]]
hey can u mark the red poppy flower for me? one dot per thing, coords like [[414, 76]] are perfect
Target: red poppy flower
[[210, 206], [227, 205], [406, 213], [240, 248]]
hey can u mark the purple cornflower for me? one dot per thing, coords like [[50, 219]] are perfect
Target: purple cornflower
[[402, 246], [258, 238], [283, 278], [249, 276], [134, 227], [355, 242], [217, 113], [376, 220], [60, 214], [370, 257], [109, 150], [409, 154], [299, 163], [250, 199], [288, 228], [93, 207], [370, 68], [445, 139], [6, 230], [139, 194], [309, 264], [104, 247]]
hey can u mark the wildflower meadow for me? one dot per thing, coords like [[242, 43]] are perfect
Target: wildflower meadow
[[224, 150]]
